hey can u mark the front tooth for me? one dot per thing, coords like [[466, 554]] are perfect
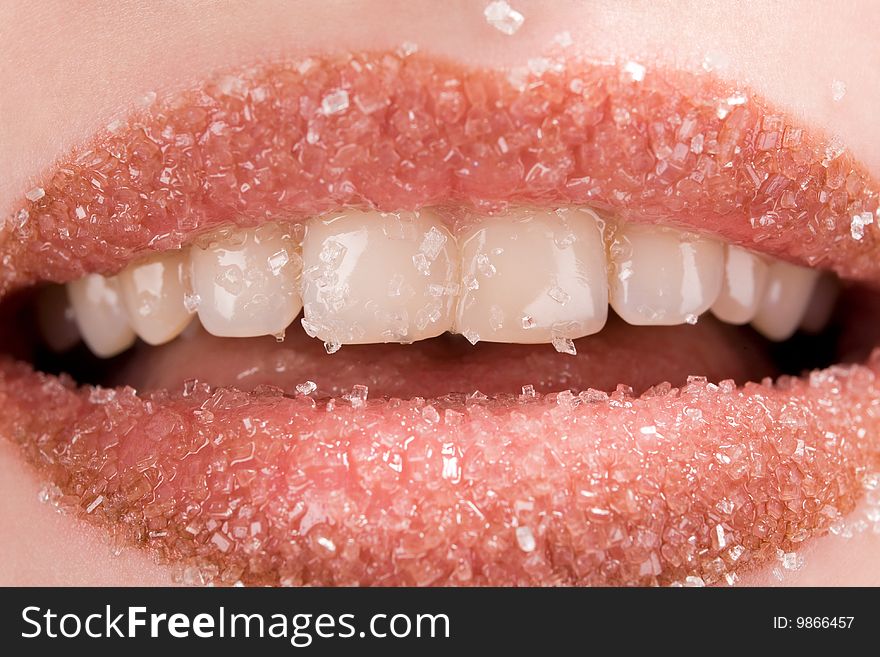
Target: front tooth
[[663, 276], [153, 292], [533, 276], [745, 278], [785, 301], [100, 315], [377, 277], [56, 319], [245, 283]]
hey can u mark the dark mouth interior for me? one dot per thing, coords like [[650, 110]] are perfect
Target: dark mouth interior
[[636, 356]]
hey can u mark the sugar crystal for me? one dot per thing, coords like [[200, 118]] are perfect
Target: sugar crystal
[[564, 345], [525, 539], [306, 388], [335, 102], [35, 194], [504, 18]]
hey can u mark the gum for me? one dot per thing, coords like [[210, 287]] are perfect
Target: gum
[[396, 132], [676, 485]]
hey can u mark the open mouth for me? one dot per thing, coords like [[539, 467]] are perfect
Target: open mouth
[[382, 319]]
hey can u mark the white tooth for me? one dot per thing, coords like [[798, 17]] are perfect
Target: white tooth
[[821, 305], [745, 277], [533, 275], [56, 319], [100, 315], [378, 277], [153, 292], [662, 276], [246, 282], [785, 301]]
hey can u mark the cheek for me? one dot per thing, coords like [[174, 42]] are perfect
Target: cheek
[[41, 547]]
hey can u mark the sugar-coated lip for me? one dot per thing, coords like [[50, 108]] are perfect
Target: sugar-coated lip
[[566, 488], [285, 141]]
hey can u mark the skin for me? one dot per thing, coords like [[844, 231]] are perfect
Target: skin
[[73, 72]]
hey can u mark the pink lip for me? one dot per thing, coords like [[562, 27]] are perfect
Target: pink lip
[[565, 488]]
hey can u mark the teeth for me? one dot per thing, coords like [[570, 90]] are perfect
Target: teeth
[[663, 276], [100, 315], [821, 305], [745, 278], [374, 277], [246, 283], [533, 276], [153, 293], [527, 276], [788, 293], [56, 319]]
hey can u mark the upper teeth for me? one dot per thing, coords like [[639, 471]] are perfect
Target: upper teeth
[[529, 276]]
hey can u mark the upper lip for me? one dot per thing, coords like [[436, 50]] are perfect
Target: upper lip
[[652, 488]]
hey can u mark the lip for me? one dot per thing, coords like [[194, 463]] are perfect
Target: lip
[[698, 481]]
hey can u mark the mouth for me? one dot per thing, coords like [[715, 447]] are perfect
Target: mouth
[[384, 319]]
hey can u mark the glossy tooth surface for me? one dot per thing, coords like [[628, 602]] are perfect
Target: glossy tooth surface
[[56, 318], [745, 278], [662, 276], [822, 303], [533, 275], [378, 277], [788, 293], [153, 292], [100, 315], [245, 282]]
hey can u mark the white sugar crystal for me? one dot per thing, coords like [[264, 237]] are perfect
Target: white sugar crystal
[[485, 266], [35, 194], [407, 48], [306, 388], [792, 561], [277, 261], [503, 17], [635, 70], [432, 243], [472, 336], [564, 345], [422, 264], [559, 295], [838, 90], [694, 581], [563, 39], [332, 253], [147, 99], [735, 552], [736, 99], [332, 346], [191, 302], [335, 102], [525, 539], [358, 395], [691, 319], [528, 322], [858, 223], [528, 391]]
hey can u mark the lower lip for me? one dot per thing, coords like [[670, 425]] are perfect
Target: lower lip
[[702, 481]]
